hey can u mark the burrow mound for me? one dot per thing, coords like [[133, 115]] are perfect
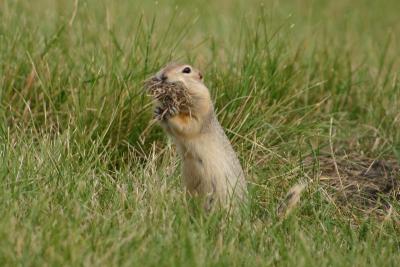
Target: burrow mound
[[357, 181]]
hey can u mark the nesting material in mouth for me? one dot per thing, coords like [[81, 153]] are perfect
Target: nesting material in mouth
[[169, 95]]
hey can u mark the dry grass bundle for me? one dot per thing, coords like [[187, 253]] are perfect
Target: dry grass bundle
[[171, 96], [364, 183]]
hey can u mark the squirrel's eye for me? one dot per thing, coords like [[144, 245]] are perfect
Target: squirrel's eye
[[186, 70]]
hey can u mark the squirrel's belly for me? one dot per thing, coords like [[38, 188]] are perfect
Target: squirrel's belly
[[209, 168], [195, 175]]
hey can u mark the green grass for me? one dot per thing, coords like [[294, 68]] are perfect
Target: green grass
[[85, 179]]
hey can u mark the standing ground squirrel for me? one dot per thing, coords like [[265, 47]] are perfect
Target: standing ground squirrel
[[185, 110]]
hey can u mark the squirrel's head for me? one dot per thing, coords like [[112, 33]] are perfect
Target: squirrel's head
[[190, 80], [179, 72], [189, 76]]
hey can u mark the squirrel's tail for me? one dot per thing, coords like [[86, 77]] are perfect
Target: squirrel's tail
[[290, 201]]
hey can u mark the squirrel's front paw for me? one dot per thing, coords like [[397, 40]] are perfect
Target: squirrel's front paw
[[173, 111], [158, 113], [164, 114]]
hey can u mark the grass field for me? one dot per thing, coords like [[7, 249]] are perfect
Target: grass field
[[87, 179]]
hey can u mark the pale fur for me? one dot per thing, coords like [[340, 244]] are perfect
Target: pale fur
[[291, 200], [210, 166]]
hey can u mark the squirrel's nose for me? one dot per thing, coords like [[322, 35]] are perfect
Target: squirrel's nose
[[163, 77]]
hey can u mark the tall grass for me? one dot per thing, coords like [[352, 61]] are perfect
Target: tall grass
[[86, 178]]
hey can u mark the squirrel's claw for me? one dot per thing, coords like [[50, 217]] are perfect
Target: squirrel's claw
[[165, 114], [173, 111], [158, 113]]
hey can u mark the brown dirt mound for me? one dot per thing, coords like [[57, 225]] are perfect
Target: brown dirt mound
[[358, 181]]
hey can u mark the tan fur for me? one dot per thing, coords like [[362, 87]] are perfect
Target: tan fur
[[291, 200], [210, 166]]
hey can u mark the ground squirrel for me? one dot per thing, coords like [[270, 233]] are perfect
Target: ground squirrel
[[185, 110]]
